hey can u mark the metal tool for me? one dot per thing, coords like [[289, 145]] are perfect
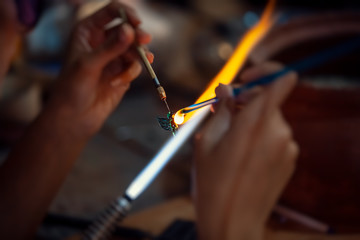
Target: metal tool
[[150, 70], [103, 227]]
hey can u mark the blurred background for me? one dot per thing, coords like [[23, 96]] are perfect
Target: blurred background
[[191, 41]]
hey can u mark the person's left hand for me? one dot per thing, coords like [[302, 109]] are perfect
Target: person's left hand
[[99, 68]]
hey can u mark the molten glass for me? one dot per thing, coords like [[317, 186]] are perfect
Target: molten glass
[[179, 117]]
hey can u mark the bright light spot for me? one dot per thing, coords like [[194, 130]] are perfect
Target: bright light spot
[[179, 117], [250, 19], [148, 174], [225, 50]]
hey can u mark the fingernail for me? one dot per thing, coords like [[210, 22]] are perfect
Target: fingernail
[[150, 57]]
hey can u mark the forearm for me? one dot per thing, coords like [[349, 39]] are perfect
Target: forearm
[[34, 171], [90, 87]]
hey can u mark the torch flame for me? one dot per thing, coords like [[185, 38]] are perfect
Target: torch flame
[[237, 60]]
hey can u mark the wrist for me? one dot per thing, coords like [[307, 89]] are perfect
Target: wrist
[[65, 121]]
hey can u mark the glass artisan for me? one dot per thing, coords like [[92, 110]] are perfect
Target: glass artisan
[[234, 153]]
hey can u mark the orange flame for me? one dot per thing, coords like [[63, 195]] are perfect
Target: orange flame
[[238, 58]]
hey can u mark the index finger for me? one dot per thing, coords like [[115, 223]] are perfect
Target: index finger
[[260, 107]]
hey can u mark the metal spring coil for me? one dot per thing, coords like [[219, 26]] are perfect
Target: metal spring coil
[[105, 224]]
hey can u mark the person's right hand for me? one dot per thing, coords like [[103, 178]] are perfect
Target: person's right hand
[[243, 159]]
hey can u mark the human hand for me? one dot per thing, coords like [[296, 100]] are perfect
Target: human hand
[[243, 159], [99, 68]]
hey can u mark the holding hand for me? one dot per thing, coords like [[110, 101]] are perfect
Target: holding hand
[[244, 158], [99, 68]]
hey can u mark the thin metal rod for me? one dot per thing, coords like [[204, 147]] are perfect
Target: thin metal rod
[[303, 219], [199, 105], [167, 105], [141, 51], [147, 64]]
